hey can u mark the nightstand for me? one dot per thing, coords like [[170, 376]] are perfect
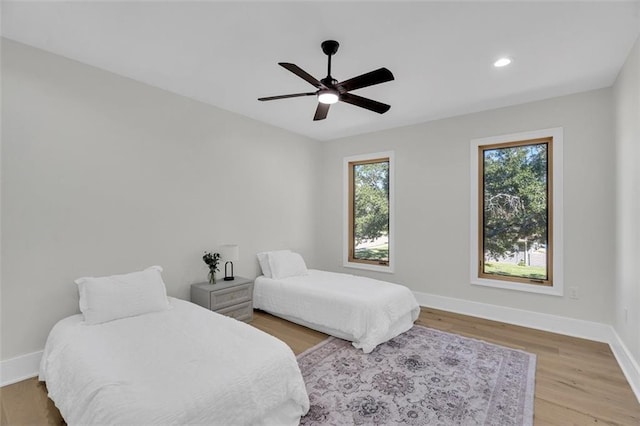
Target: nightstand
[[231, 298]]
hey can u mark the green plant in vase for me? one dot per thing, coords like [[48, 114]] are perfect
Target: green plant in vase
[[212, 259]]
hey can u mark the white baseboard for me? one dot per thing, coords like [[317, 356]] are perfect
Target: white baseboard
[[19, 368], [546, 322], [553, 323], [627, 362]]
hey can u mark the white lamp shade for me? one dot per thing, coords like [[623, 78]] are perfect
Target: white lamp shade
[[230, 253]]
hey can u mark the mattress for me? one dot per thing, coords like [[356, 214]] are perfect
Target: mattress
[[362, 310], [185, 365]]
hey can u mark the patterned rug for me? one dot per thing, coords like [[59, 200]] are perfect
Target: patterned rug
[[422, 377]]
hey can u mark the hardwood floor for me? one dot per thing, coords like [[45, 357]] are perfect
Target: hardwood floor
[[578, 382], [26, 403]]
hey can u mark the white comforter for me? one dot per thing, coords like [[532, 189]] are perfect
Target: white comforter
[[186, 365], [366, 311]]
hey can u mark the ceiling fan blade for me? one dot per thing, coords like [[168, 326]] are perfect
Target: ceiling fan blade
[[302, 74], [293, 95], [321, 111], [366, 103], [381, 75]]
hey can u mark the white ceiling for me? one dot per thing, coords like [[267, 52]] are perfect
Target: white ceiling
[[441, 53]]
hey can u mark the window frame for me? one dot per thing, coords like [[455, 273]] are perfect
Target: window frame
[[554, 283], [348, 218]]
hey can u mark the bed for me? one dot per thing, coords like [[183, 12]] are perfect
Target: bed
[[362, 310], [181, 364]]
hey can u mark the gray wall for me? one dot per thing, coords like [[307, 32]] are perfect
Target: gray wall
[[432, 202], [627, 131], [104, 175]]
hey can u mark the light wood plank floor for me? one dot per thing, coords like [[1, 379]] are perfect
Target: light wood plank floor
[[578, 382]]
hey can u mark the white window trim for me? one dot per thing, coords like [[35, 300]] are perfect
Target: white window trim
[[558, 276], [345, 213]]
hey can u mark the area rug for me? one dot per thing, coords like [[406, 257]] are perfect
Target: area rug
[[422, 377]]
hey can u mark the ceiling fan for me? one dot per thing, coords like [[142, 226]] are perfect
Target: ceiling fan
[[331, 91]]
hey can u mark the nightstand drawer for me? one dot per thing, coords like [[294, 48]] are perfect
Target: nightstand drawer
[[241, 312], [231, 296]]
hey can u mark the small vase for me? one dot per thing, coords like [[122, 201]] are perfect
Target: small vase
[[212, 277]]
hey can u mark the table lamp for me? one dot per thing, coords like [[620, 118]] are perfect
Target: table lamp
[[229, 253]]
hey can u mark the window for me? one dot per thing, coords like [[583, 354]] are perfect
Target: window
[[368, 212], [516, 200]]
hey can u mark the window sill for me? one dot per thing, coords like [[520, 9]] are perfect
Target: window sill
[[377, 268], [528, 288]]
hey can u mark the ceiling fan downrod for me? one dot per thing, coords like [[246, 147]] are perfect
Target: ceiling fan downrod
[[330, 48]]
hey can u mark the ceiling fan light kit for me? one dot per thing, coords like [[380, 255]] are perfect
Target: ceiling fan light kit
[[328, 97], [330, 91]]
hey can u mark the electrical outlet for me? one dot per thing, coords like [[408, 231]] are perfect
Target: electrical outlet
[[626, 315], [573, 292]]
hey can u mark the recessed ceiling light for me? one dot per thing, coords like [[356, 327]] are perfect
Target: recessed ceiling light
[[502, 62]]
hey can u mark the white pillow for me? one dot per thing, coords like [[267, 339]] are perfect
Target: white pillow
[[119, 296], [285, 264], [263, 259]]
